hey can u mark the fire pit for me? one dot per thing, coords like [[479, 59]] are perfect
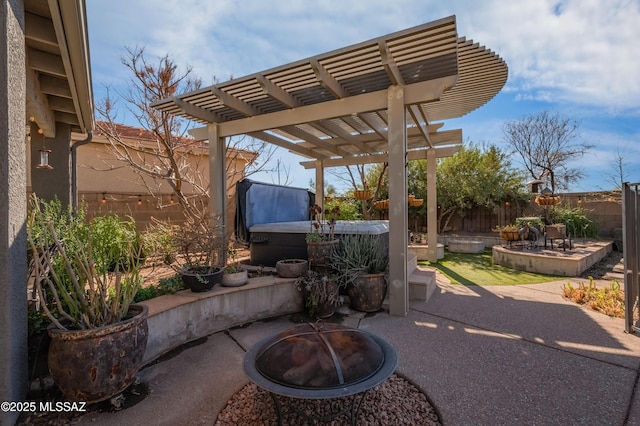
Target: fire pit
[[321, 361]]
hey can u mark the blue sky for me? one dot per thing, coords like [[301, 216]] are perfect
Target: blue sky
[[574, 57]]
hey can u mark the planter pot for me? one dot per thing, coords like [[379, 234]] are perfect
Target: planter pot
[[200, 280], [291, 268], [235, 279], [547, 201], [557, 230], [362, 194], [38, 349], [97, 364], [513, 235], [322, 309], [319, 253], [367, 292]]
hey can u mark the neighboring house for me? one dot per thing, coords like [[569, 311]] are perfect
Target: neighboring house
[[107, 184]]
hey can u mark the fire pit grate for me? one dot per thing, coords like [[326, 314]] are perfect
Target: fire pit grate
[[321, 361]]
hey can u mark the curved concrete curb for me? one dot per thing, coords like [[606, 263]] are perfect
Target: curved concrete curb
[[186, 316]]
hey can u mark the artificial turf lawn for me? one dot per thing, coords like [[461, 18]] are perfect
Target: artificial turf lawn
[[478, 269]]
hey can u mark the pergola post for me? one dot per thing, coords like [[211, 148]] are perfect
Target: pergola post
[[218, 188], [320, 184], [398, 286], [432, 207]]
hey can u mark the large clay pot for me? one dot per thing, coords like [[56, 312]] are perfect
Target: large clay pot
[[367, 292], [200, 280], [291, 268], [324, 308], [319, 253], [96, 364]]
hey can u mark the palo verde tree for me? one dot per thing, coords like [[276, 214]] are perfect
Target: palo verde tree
[[476, 176], [546, 143], [169, 158]]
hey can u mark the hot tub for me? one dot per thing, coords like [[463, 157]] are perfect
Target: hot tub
[[270, 242]]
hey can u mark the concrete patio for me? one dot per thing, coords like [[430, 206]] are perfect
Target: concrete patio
[[483, 355]]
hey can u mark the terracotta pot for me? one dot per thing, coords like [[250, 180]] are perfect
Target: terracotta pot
[[200, 280], [291, 268], [96, 364], [235, 279], [367, 292], [319, 253]]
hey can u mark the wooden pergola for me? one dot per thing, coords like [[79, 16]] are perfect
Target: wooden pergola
[[382, 100]]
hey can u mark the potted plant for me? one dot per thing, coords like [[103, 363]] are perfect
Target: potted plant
[[291, 268], [234, 274], [199, 244], [513, 232], [86, 287], [321, 241], [320, 292], [362, 266]]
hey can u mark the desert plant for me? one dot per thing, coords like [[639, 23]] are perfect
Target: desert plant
[[577, 221], [360, 254], [318, 289], [82, 292], [234, 265], [608, 300], [323, 223]]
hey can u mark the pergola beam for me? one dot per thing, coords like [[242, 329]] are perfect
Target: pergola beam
[[235, 103], [201, 113], [320, 143], [291, 146], [389, 64], [367, 102], [418, 154], [277, 93], [327, 80], [419, 118]]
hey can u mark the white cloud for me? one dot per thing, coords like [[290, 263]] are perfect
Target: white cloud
[[582, 54], [577, 56]]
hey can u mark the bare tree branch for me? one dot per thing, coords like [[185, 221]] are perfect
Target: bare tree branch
[[546, 143]]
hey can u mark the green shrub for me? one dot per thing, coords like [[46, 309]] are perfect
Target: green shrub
[[350, 209], [165, 286], [170, 285], [146, 293], [158, 240], [577, 221], [111, 239], [73, 259]]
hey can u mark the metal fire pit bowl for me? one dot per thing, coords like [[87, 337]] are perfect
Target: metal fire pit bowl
[[320, 361]]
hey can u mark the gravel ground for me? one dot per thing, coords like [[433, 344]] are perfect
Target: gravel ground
[[600, 269], [395, 402]]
